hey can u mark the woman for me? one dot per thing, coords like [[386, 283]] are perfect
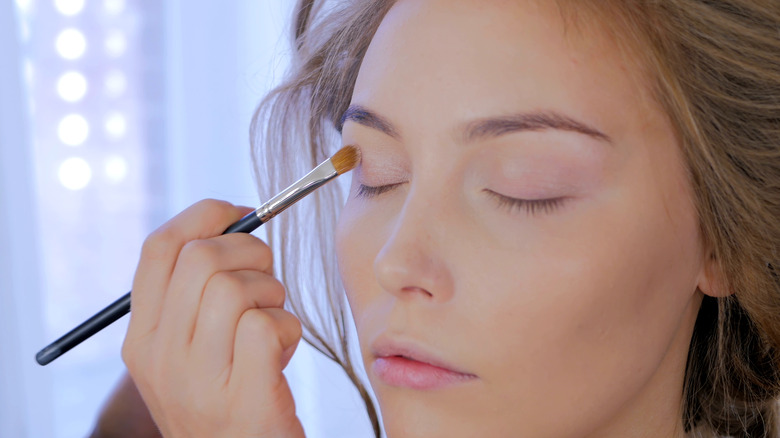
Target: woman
[[564, 224]]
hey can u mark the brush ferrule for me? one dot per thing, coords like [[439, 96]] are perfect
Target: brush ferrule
[[314, 179]]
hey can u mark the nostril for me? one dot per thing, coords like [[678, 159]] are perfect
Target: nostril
[[416, 289], [408, 269]]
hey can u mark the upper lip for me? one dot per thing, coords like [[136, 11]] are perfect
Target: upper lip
[[384, 346]]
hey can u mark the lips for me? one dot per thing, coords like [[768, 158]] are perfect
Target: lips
[[404, 365]]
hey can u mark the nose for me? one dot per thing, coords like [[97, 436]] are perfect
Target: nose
[[412, 262]]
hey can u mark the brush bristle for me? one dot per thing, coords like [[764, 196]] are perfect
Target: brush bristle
[[345, 159]]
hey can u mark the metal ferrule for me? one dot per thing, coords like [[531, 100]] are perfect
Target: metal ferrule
[[289, 196]]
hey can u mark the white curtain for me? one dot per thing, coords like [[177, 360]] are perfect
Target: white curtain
[[25, 402], [220, 57]]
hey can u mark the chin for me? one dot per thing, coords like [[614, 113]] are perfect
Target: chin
[[414, 414]]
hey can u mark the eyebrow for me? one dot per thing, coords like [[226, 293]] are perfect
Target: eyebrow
[[365, 117], [482, 129]]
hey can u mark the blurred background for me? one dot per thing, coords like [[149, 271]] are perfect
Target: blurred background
[[114, 116]]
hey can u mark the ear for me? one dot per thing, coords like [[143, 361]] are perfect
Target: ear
[[711, 280]]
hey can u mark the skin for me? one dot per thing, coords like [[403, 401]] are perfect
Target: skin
[[576, 319], [574, 316], [208, 337]]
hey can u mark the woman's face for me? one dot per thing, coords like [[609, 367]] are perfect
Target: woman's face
[[521, 217]]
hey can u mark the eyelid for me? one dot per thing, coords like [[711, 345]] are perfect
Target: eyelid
[[530, 206]]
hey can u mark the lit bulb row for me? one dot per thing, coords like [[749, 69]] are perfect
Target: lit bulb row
[[71, 44], [73, 129], [74, 7], [72, 85], [75, 173]]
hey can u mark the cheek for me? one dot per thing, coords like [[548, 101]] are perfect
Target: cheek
[[597, 303], [357, 244], [602, 279]]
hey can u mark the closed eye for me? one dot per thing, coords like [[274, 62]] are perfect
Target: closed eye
[[529, 206], [365, 191]]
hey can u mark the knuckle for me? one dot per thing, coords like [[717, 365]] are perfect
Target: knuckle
[[132, 352], [138, 367], [267, 259], [265, 253], [262, 253], [213, 204], [202, 253], [159, 244], [276, 292], [128, 356], [297, 327], [227, 286], [215, 209], [293, 327], [258, 323], [225, 281]]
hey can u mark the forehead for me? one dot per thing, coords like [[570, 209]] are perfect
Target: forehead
[[461, 59]]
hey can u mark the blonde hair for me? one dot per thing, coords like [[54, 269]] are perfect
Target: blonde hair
[[714, 66]]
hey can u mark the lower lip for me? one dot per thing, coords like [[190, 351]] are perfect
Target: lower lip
[[403, 372]]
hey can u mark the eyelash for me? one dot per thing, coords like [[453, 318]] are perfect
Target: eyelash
[[369, 191], [529, 206]]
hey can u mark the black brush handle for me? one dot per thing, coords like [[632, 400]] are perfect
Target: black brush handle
[[118, 308], [85, 330]]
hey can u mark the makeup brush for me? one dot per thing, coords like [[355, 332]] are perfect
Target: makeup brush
[[341, 162]]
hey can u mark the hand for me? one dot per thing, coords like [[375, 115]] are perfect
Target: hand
[[208, 337]]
